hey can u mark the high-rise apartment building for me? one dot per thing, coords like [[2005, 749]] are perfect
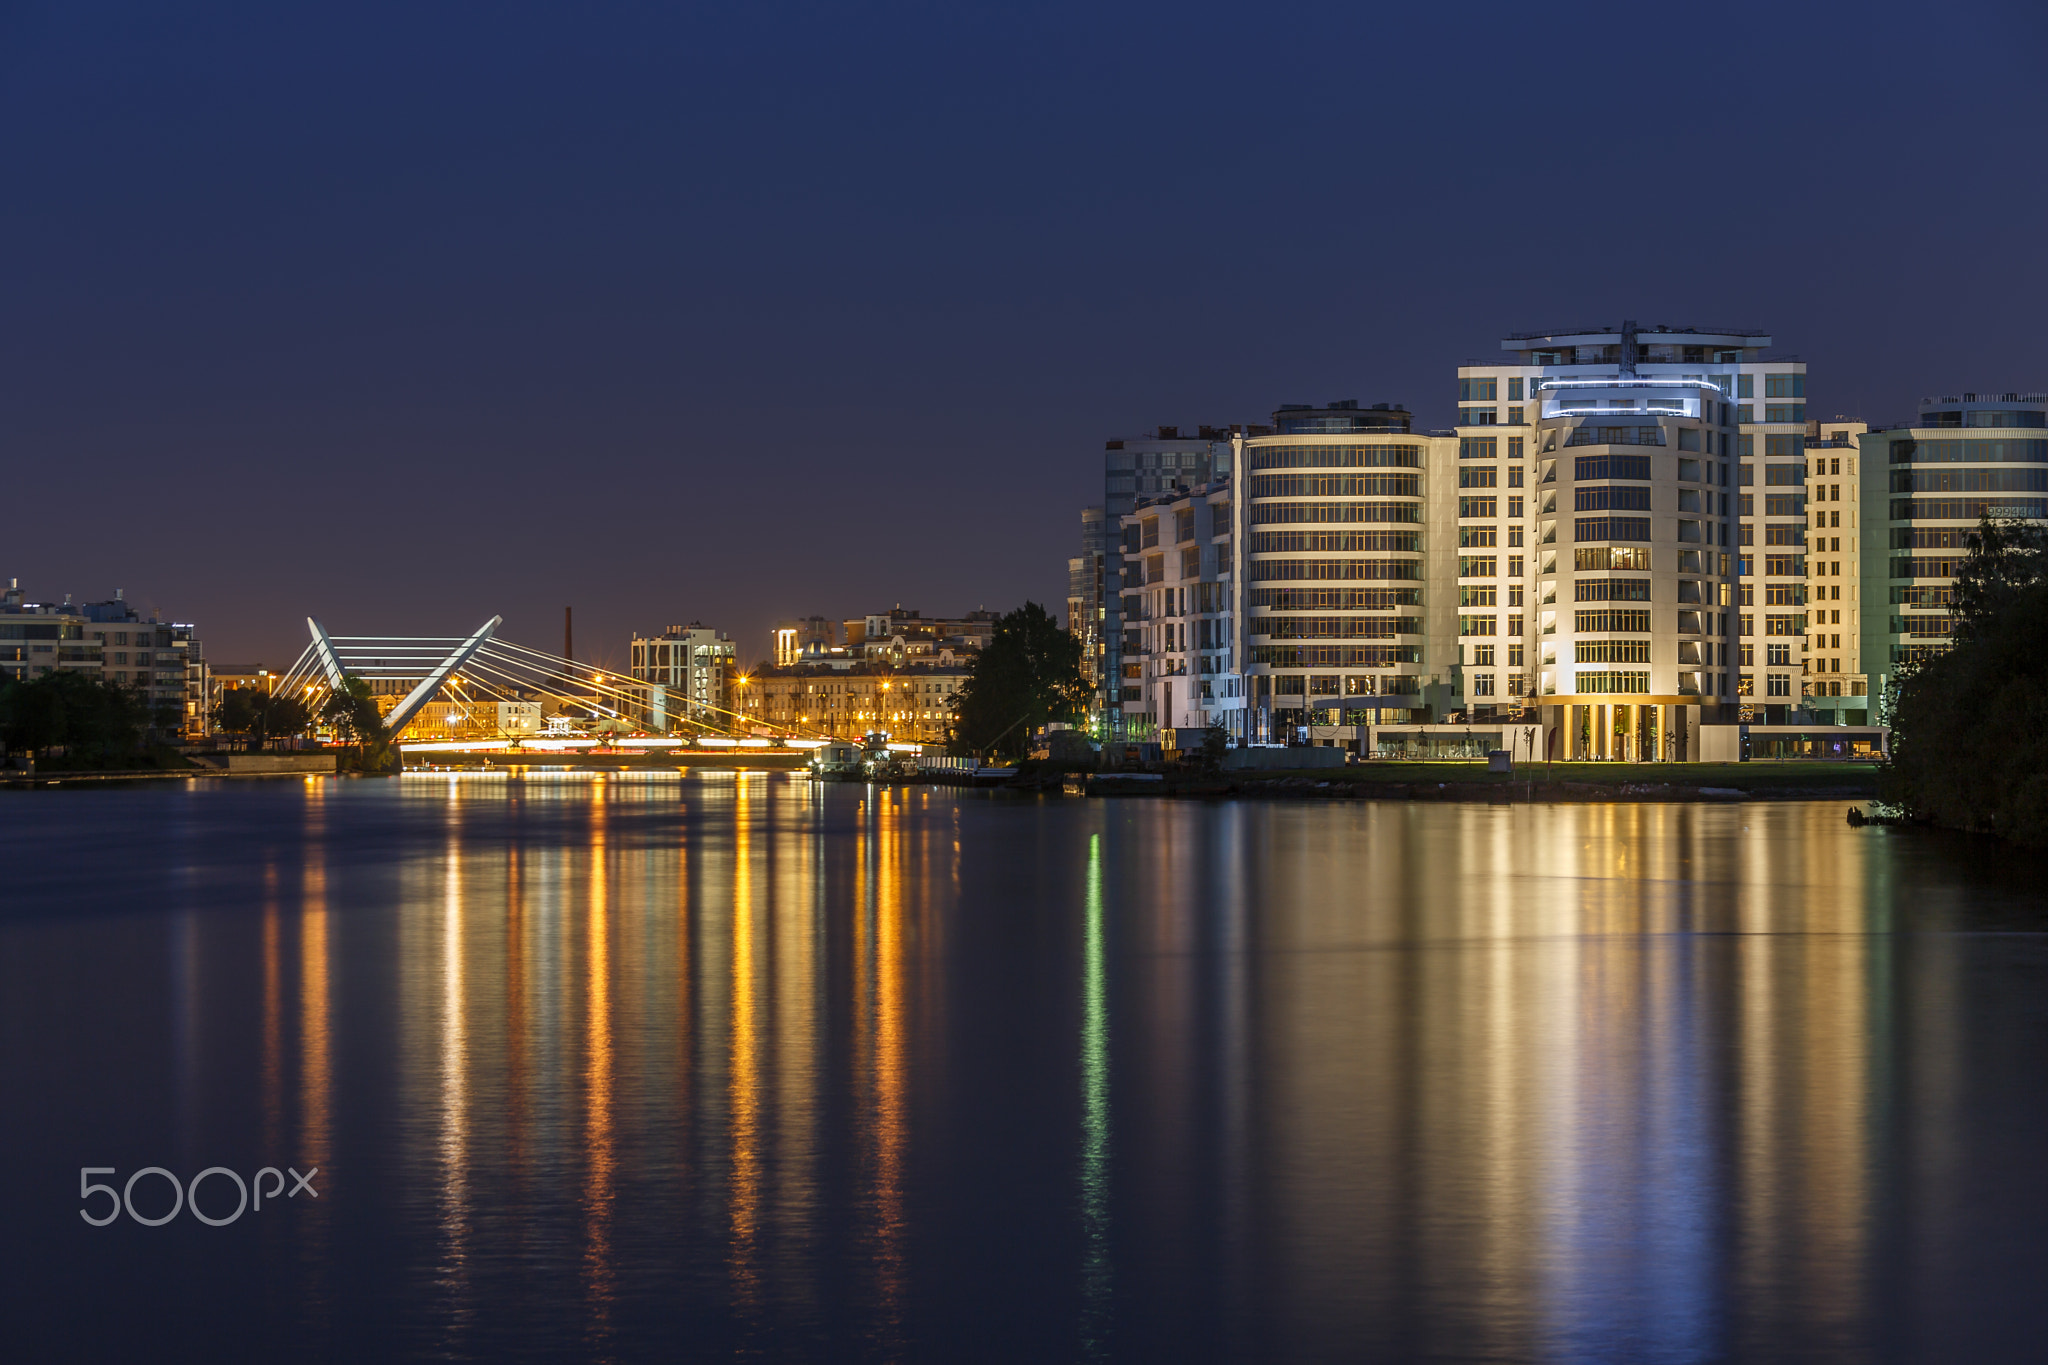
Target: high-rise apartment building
[[1838, 687], [1179, 652], [1766, 429], [1925, 488], [1631, 530], [1333, 540], [1163, 462]]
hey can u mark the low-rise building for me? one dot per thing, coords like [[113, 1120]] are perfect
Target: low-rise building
[[111, 641], [913, 704], [901, 637]]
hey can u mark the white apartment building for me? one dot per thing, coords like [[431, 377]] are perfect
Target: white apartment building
[[1768, 575], [1179, 653], [1164, 462], [1966, 456], [1345, 564]]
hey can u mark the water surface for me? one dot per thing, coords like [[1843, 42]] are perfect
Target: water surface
[[737, 1065]]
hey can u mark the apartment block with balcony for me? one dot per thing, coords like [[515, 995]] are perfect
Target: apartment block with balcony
[[112, 641], [1927, 485], [1178, 612], [1765, 394], [1167, 461]]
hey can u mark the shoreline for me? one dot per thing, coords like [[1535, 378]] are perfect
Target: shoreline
[[1565, 783]]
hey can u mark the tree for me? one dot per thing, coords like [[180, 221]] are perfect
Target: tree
[[352, 711], [1970, 725], [95, 722], [260, 715], [1029, 676]]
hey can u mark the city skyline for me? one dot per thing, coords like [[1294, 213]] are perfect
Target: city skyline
[[407, 334]]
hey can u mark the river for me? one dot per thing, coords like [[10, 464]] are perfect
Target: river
[[740, 1065]]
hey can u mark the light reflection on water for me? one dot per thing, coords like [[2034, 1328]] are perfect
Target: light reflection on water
[[607, 1067]]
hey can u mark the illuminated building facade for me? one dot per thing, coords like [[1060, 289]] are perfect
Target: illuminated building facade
[[1089, 577], [794, 640], [911, 705], [1769, 571], [689, 673], [1336, 532], [1838, 683], [899, 637], [1180, 648], [1166, 461]]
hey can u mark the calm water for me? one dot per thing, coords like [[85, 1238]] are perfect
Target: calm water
[[740, 1066]]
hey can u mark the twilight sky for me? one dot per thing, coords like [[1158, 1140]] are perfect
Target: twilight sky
[[401, 315]]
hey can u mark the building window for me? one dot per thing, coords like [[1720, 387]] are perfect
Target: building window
[[1479, 476], [1784, 386], [1480, 390], [1514, 417], [1780, 684], [1477, 417], [1515, 389], [1478, 448]]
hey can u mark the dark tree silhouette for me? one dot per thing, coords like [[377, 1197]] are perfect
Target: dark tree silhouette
[[1030, 675], [1970, 726]]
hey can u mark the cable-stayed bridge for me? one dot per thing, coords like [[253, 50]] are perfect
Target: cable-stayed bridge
[[479, 671]]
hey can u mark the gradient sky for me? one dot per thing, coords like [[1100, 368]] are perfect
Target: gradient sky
[[404, 315]]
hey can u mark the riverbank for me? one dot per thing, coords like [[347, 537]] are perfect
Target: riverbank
[[1466, 781]]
